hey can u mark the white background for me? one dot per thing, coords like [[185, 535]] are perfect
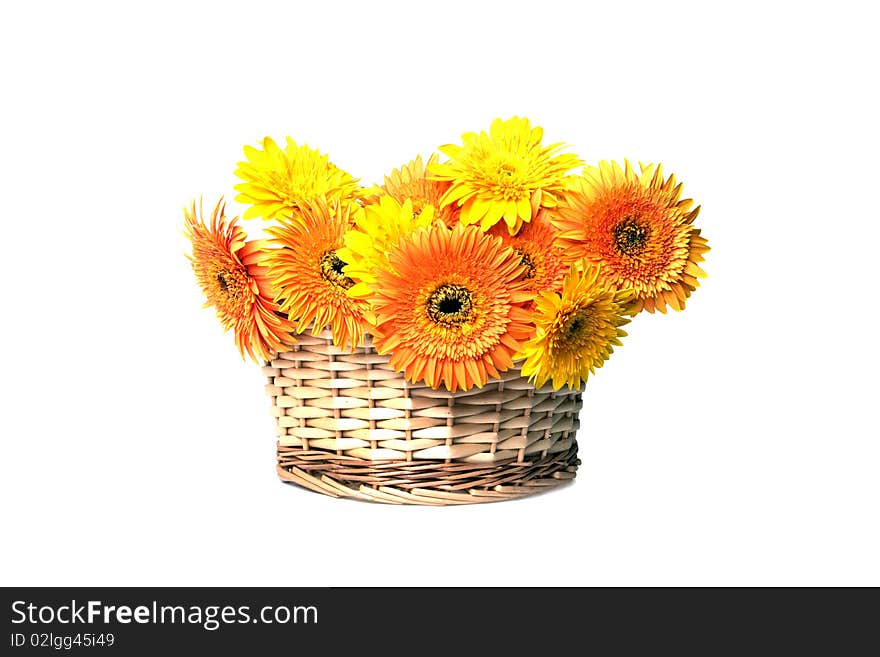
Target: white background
[[733, 444]]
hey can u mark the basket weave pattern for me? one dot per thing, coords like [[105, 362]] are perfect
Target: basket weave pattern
[[348, 425]]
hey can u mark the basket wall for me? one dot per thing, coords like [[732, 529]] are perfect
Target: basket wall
[[350, 426]]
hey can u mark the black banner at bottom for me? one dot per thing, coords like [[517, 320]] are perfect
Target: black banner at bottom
[[133, 621]]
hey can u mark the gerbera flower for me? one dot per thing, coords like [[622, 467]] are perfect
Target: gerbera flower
[[277, 183], [411, 182], [377, 229], [506, 173], [227, 269], [307, 273], [539, 253], [450, 307], [638, 228], [576, 330]]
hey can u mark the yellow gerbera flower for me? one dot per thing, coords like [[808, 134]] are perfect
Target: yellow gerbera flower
[[227, 269], [307, 273], [576, 330], [278, 182], [377, 229], [450, 307], [411, 182], [638, 228], [506, 173]]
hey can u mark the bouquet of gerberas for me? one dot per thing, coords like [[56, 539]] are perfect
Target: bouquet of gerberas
[[418, 335], [457, 269]]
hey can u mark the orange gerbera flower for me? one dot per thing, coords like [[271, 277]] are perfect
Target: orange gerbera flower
[[638, 228], [450, 307], [227, 269], [308, 277], [410, 182], [539, 252]]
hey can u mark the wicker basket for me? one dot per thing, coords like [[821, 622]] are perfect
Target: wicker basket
[[350, 426]]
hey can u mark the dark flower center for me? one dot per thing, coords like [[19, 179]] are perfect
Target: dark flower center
[[630, 236], [575, 325], [450, 305], [232, 283], [576, 331], [331, 270], [526, 261]]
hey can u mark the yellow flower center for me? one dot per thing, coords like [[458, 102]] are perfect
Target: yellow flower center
[[331, 270], [300, 181], [508, 178], [290, 191], [630, 236], [450, 305]]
